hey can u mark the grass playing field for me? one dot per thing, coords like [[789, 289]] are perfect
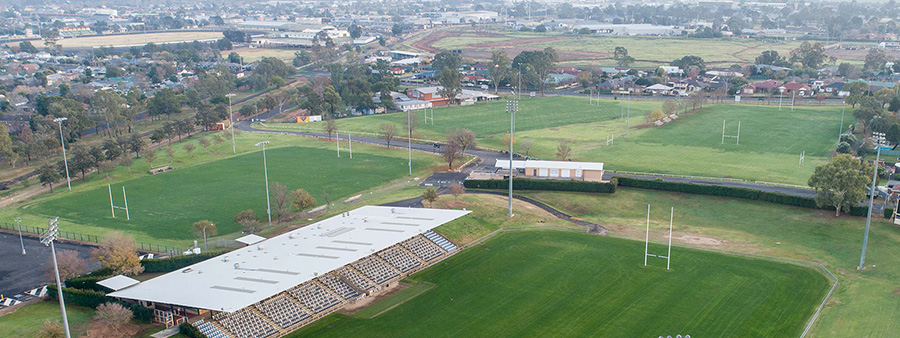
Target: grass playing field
[[549, 283], [165, 206], [770, 147]]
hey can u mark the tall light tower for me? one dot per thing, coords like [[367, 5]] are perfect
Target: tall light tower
[[231, 121], [511, 107], [879, 140], [22, 241], [266, 170], [409, 140], [47, 239], [59, 121]]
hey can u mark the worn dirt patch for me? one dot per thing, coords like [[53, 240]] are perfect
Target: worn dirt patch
[[896, 291], [354, 307], [699, 240]]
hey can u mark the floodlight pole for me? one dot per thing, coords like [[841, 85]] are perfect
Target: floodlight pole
[[669, 255], [862, 257], [266, 170], [409, 142], [231, 120], [647, 239], [63, 143], [47, 239], [841, 132], [512, 107], [22, 241]]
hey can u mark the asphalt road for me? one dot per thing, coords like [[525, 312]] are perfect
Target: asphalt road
[[20, 273]]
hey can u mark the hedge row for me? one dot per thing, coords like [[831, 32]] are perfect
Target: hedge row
[[551, 185], [190, 331], [89, 281], [750, 194], [177, 262], [93, 299]]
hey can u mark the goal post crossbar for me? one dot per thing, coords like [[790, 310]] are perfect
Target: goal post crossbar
[[668, 256]]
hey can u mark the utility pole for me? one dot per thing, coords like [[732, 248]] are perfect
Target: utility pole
[[62, 142], [47, 239], [266, 169]]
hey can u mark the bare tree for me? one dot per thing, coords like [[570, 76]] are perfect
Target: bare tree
[[189, 148], [456, 190], [388, 132], [114, 315], [51, 329], [170, 153], [525, 147], [563, 150], [669, 107], [330, 127], [150, 155], [70, 265], [451, 153], [430, 195], [281, 197], [106, 167], [119, 253], [204, 142], [465, 138]]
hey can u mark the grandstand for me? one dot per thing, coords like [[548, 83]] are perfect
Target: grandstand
[[276, 286]]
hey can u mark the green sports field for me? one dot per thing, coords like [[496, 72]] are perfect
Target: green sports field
[[550, 283], [165, 206], [771, 139]]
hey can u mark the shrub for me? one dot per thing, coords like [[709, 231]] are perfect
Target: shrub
[[888, 212], [551, 185], [190, 331], [93, 299]]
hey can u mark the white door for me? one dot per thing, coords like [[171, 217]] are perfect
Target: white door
[[554, 172], [542, 172], [578, 173], [566, 173]]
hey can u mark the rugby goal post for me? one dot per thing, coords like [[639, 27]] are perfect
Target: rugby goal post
[[668, 256], [113, 207]]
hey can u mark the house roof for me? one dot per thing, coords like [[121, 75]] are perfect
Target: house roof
[[768, 84], [795, 86]]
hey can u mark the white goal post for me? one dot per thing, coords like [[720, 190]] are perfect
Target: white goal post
[[668, 256]]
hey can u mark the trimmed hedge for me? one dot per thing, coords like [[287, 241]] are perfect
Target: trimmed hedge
[[190, 331], [177, 262], [888, 212], [93, 299], [89, 281], [550, 185], [718, 190]]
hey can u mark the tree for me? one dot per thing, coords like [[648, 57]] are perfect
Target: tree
[[114, 315], [811, 55], [47, 175], [620, 54], [27, 47], [150, 156], [397, 29], [689, 61], [70, 265], [332, 99], [164, 103], [106, 167], [465, 138], [205, 228], [355, 31], [189, 148], [456, 190], [136, 145], [498, 69], [119, 253], [563, 150], [841, 183], [170, 152], [884, 96], [430, 195], [669, 107], [330, 126], [126, 162], [51, 329], [654, 115], [204, 142], [771, 57], [388, 132], [449, 79], [525, 147], [301, 200], [538, 64], [876, 60], [843, 148], [451, 151], [6, 150], [281, 197], [248, 220]]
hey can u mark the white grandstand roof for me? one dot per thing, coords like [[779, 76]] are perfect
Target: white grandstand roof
[[504, 164], [118, 282], [245, 276]]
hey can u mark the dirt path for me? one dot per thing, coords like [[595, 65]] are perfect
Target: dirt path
[[25, 194]]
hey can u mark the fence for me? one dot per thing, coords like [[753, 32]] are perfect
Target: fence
[[160, 248], [708, 178]]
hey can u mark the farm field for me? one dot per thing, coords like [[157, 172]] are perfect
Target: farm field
[[770, 145], [864, 302], [163, 207], [256, 54], [125, 40], [552, 283]]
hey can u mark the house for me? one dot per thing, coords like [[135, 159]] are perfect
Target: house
[[659, 89], [748, 89], [833, 88], [768, 86], [582, 171], [672, 70], [687, 86], [795, 88], [430, 94], [404, 103]]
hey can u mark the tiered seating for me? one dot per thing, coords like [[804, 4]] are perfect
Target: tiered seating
[[425, 249], [245, 323], [440, 241], [282, 311], [375, 269], [314, 297], [399, 258], [209, 329], [338, 286], [355, 278]]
